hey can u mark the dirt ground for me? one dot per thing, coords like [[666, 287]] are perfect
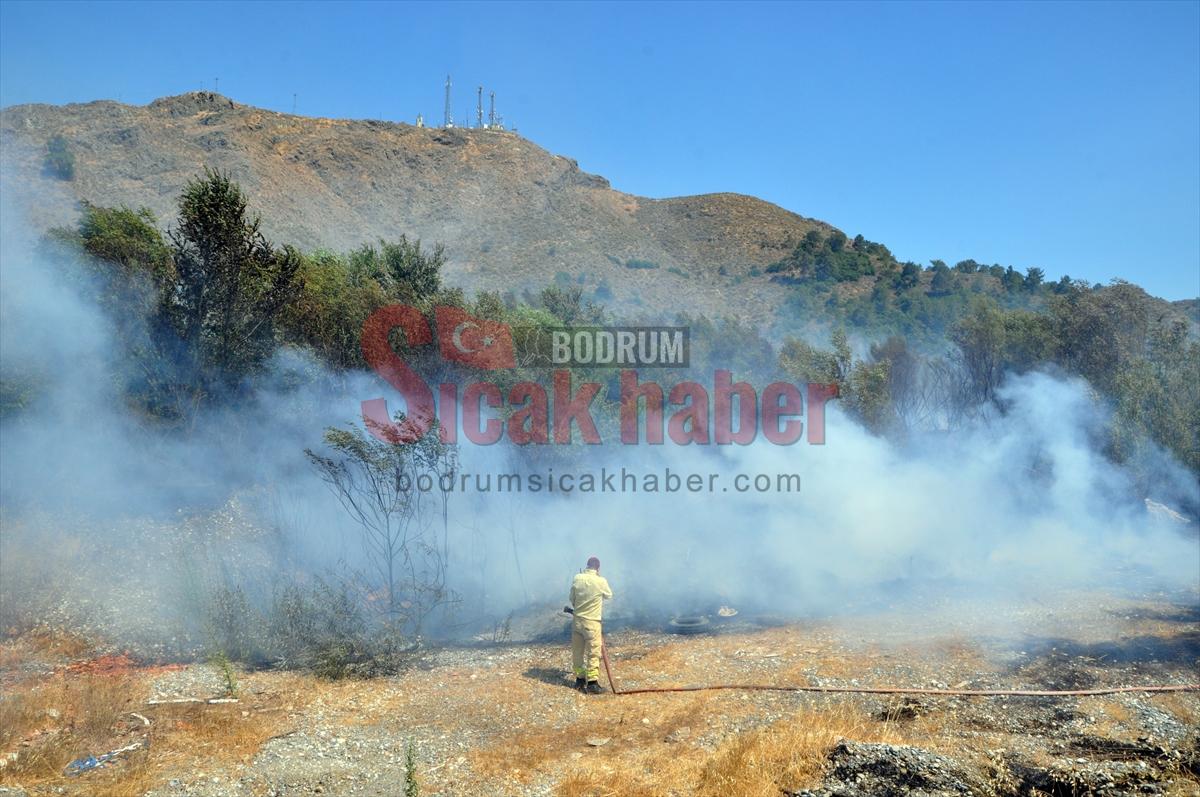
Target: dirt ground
[[500, 717]]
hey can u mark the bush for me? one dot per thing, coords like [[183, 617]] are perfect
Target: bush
[[640, 264], [127, 238], [233, 628], [411, 788], [60, 161], [323, 629], [819, 258], [410, 274]]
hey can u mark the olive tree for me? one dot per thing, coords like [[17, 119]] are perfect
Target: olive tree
[[396, 493]]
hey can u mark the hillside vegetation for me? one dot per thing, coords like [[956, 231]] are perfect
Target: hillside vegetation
[[219, 299]]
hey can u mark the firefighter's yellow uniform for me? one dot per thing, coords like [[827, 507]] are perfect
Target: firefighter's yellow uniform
[[589, 590]]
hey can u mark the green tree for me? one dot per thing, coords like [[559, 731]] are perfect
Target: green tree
[[409, 274], [330, 307], [1100, 332], [129, 239], [862, 386], [568, 305], [807, 363], [992, 343], [942, 282], [1034, 277], [1012, 280], [230, 284], [909, 276]]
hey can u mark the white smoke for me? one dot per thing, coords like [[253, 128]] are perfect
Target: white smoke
[[1023, 501]]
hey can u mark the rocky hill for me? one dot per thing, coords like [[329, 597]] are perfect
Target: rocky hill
[[512, 215]]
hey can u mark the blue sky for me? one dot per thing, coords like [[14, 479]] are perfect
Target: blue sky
[[1065, 136]]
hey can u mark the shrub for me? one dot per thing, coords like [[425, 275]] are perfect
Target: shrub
[[60, 161], [233, 628], [323, 628], [407, 557], [411, 789], [635, 263], [127, 238]]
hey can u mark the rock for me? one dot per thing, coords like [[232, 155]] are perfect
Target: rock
[[679, 734], [1083, 776], [599, 741], [859, 769]]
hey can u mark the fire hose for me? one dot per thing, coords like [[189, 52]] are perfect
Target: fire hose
[[890, 690]]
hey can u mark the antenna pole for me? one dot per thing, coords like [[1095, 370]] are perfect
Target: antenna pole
[[449, 121]]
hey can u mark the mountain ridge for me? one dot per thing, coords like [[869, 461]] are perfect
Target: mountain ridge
[[512, 215]]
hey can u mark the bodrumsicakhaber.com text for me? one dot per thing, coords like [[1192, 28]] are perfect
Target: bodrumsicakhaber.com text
[[621, 480]]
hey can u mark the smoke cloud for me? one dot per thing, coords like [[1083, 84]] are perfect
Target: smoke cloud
[[1020, 502]]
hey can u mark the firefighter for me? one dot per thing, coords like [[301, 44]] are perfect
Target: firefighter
[[589, 590]]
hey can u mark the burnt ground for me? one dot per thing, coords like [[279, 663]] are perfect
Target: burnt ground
[[497, 716]]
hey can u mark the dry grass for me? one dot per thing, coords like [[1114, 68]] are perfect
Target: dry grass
[[631, 731], [1185, 708], [43, 644], [71, 715], [533, 731], [59, 720], [787, 754]]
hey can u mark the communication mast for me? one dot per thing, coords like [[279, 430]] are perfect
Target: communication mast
[[479, 109], [492, 111], [449, 122]]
